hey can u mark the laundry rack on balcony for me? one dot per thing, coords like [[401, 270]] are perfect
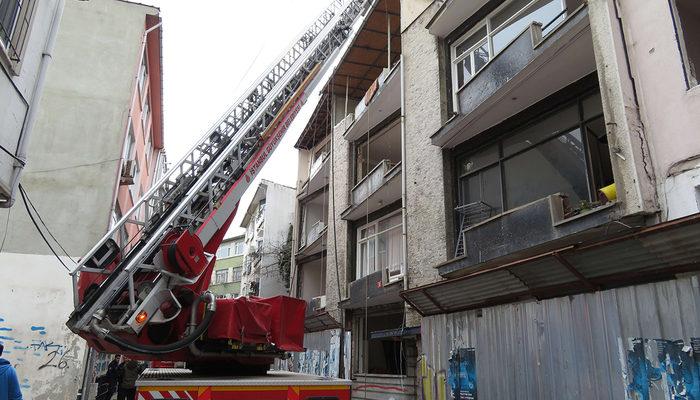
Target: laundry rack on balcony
[[469, 215]]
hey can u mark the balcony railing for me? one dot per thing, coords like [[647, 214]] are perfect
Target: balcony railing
[[316, 166], [315, 232], [373, 181]]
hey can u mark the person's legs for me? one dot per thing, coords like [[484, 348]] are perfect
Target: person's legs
[[131, 393], [121, 394]]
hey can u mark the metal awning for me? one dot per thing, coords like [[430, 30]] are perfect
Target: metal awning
[[320, 322], [647, 254]]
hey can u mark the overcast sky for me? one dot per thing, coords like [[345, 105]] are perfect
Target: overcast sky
[[211, 54]]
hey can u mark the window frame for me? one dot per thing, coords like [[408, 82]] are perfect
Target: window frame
[[12, 52], [490, 33], [691, 80], [221, 273], [360, 241], [581, 124]]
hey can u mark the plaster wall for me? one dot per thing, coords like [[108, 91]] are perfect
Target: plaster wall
[[17, 87], [76, 147], [668, 107], [425, 197], [33, 311], [279, 214]]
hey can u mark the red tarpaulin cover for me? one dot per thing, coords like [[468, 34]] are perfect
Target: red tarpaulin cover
[[278, 320]]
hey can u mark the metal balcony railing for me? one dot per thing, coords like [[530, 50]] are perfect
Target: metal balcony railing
[[316, 166], [373, 181], [315, 232]]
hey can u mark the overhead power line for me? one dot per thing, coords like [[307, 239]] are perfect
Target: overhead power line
[[41, 233]]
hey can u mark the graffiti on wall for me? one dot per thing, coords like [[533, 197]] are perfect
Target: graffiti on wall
[[661, 368], [30, 348]]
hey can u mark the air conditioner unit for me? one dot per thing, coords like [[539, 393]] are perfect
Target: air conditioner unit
[[318, 303], [128, 172]]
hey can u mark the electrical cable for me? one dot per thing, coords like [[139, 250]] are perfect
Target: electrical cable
[[21, 188], [26, 205], [9, 153]]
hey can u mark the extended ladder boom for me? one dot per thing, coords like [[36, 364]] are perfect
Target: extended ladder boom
[[121, 286]]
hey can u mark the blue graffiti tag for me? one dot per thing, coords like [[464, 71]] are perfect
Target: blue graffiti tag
[[38, 328], [8, 338], [5, 329]]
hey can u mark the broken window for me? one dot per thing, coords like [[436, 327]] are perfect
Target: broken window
[[687, 18], [564, 152]]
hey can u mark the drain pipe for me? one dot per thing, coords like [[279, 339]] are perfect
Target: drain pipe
[[404, 218], [46, 57]]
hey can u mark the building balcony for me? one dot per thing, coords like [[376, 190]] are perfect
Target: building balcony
[[381, 187], [382, 100], [313, 242], [372, 290], [529, 69], [540, 225], [319, 174]]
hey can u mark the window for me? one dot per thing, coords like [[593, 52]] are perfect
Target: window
[[687, 19], [130, 147], [136, 187], [143, 74], [122, 235], [221, 276], [566, 151], [380, 350], [381, 146], [223, 252], [144, 116], [15, 18], [379, 247], [237, 274], [472, 51], [238, 248]]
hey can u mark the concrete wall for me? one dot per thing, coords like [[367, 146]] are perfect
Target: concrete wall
[[338, 242], [76, 146], [669, 109], [17, 87], [425, 198], [33, 310], [279, 214]]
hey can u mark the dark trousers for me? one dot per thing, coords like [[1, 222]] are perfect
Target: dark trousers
[[126, 394]]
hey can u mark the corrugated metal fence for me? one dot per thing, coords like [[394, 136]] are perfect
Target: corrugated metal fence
[[639, 342]]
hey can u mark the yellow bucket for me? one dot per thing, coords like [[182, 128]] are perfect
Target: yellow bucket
[[608, 193]]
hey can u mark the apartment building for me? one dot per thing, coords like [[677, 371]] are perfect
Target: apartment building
[[565, 168], [499, 199], [228, 269], [96, 146], [268, 225], [349, 262]]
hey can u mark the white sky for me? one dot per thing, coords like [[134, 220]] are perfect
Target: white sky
[[212, 52]]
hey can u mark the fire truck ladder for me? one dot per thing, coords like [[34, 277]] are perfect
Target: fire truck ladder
[[201, 191]]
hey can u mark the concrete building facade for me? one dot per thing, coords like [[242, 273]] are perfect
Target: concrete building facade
[[228, 269], [493, 180], [77, 179], [268, 225]]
